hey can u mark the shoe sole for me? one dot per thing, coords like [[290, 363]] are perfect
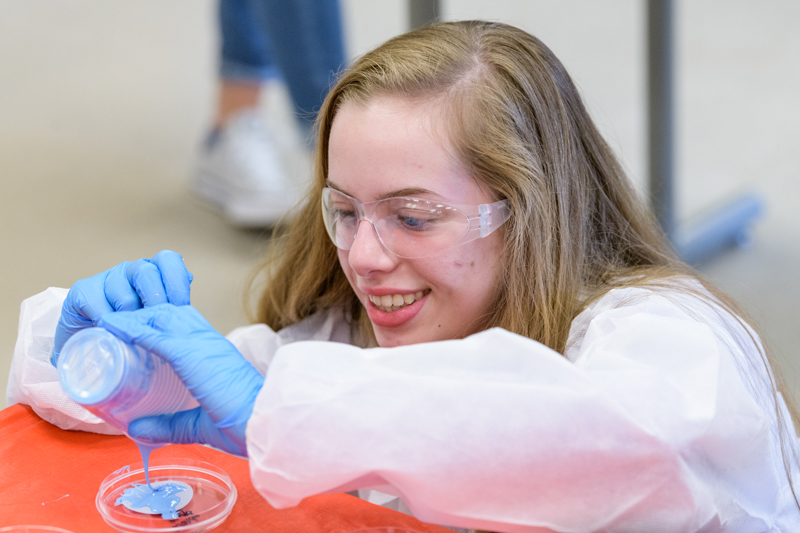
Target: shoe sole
[[243, 208]]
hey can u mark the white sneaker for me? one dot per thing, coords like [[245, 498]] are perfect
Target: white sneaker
[[239, 172]]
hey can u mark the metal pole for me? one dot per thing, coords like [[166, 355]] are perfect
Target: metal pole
[[422, 12], [728, 225], [661, 112]]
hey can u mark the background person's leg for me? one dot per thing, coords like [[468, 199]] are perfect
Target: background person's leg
[[305, 38], [245, 50], [246, 59], [239, 169]]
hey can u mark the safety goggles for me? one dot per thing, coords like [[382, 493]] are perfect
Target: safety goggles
[[410, 227]]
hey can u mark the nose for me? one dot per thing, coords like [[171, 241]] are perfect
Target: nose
[[368, 254]]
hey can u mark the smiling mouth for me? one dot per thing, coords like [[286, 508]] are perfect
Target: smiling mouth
[[393, 302]]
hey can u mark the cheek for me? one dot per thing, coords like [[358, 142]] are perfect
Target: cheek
[[471, 270], [483, 258], [345, 265], [477, 273]]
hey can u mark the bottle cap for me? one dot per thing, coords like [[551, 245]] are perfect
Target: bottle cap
[[91, 366]]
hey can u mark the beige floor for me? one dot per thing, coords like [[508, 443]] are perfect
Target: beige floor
[[102, 105]]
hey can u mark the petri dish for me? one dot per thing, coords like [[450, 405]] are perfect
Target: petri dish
[[385, 529], [33, 529], [212, 502]]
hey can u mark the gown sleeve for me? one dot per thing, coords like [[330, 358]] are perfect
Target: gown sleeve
[[647, 426], [34, 381]]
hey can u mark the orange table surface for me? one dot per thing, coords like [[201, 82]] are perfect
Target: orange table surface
[[40, 464]]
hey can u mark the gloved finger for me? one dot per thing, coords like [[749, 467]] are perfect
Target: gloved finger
[[145, 278], [179, 335], [185, 427], [83, 307], [176, 278], [68, 324], [87, 298], [177, 428], [119, 293], [153, 328]]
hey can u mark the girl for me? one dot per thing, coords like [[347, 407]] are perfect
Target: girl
[[501, 336]]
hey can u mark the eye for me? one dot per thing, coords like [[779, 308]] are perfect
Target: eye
[[415, 216], [413, 223], [341, 210], [345, 217], [416, 219]]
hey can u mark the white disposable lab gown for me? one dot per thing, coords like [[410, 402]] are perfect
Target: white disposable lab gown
[[659, 418]]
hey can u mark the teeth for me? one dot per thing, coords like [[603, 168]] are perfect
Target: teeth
[[393, 302]]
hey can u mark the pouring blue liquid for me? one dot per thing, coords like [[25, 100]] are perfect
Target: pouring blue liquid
[[119, 383]]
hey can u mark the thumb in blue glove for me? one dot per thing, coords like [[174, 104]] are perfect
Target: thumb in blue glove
[[223, 382]]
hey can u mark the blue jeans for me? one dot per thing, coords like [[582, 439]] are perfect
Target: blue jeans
[[300, 40]]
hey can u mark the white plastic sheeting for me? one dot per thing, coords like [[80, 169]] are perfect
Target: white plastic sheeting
[[659, 418]]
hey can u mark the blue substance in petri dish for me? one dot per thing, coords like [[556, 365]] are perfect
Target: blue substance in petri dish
[[161, 499]]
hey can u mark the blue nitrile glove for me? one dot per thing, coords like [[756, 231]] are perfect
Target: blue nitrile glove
[[126, 287], [218, 376]]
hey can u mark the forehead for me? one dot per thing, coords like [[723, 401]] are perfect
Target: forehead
[[392, 143]]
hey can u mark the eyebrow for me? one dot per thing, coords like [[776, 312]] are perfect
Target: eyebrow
[[408, 191]]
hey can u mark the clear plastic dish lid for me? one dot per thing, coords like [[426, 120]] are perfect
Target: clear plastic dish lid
[[213, 496], [32, 529]]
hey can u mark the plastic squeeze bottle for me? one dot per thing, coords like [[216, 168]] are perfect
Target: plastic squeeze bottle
[[117, 381]]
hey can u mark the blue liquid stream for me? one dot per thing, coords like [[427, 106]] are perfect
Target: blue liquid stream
[[161, 499], [145, 451]]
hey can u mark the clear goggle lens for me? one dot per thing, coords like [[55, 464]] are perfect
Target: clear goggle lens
[[409, 227]]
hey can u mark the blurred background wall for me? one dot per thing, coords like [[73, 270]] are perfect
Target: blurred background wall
[[103, 106]]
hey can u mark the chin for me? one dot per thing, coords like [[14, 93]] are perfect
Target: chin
[[390, 339]]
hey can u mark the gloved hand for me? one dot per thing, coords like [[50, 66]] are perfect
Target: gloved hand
[[126, 287], [218, 376]]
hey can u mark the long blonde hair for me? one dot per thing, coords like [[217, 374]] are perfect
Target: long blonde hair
[[519, 125], [517, 121]]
